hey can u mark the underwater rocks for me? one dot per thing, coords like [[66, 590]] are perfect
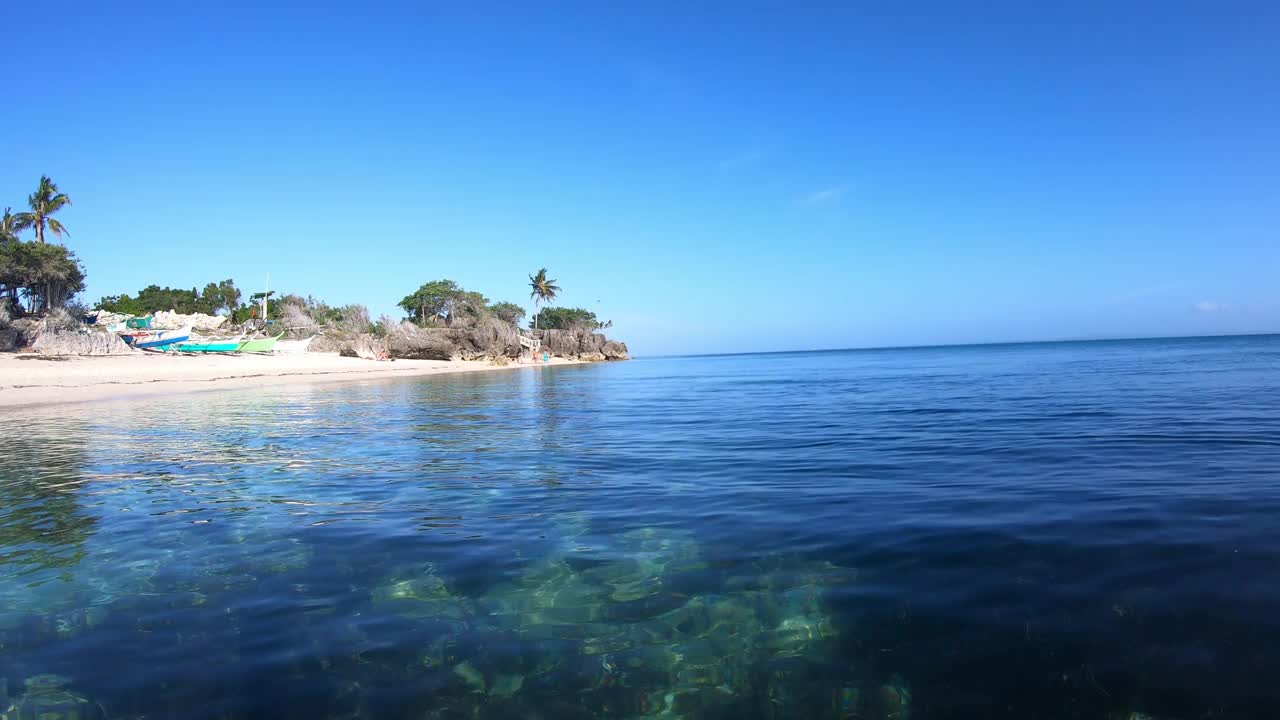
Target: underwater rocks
[[419, 592], [47, 697], [640, 624], [633, 641]]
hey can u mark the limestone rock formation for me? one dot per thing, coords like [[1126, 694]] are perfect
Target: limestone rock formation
[[582, 344], [486, 338], [199, 322], [614, 350], [168, 320], [60, 342], [364, 346], [414, 343]]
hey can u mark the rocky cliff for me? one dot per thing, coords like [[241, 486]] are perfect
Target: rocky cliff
[[489, 338], [582, 344]]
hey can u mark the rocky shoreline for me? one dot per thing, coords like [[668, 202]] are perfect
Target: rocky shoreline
[[487, 339]]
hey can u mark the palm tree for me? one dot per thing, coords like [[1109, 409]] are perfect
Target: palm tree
[[544, 291], [44, 202], [8, 226]]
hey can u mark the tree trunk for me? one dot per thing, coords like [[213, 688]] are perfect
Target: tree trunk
[[40, 230]]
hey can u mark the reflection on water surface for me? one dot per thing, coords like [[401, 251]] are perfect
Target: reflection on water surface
[[831, 536]]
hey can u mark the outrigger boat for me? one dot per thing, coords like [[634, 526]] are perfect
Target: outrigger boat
[[211, 346], [294, 346], [261, 345], [152, 340]]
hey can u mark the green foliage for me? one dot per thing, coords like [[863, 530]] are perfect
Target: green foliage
[[544, 290], [508, 312], [44, 202], [252, 310], [8, 226], [216, 297], [443, 301], [150, 299], [220, 297], [47, 275], [561, 318]]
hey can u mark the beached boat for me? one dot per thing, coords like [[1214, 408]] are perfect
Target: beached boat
[[151, 340], [294, 346], [261, 345], [210, 346]]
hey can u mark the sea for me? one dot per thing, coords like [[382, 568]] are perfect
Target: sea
[[1051, 530]]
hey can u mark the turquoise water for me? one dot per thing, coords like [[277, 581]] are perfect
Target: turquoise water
[[1072, 530]]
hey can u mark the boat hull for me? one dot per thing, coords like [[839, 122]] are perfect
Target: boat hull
[[158, 340], [294, 346], [217, 347], [261, 345]]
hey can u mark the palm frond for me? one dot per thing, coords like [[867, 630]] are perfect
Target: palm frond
[[58, 228], [22, 221], [46, 199]]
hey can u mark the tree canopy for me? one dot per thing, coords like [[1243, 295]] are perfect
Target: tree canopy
[[47, 275], [563, 318], [443, 301], [508, 312], [216, 297], [221, 297]]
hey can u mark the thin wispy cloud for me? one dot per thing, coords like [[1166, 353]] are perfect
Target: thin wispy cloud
[[1208, 306], [823, 197]]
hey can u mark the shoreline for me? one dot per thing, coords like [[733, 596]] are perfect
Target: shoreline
[[32, 380]]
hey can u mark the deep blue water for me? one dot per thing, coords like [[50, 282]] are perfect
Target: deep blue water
[[1070, 530]]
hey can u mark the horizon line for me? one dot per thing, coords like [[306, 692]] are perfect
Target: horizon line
[[873, 348]]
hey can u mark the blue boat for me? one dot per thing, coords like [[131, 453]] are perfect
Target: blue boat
[[157, 340]]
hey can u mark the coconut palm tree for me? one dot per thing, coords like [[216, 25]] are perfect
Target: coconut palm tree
[[8, 225], [544, 291], [44, 202]]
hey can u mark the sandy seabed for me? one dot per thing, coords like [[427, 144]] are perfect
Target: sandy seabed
[[35, 380]]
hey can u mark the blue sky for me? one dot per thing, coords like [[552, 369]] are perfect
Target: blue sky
[[713, 178]]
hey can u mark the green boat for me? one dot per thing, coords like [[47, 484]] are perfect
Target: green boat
[[212, 346], [261, 345]]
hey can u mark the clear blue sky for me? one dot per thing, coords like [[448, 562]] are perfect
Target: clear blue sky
[[742, 176]]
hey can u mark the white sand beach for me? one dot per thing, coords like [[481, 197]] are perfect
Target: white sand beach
[[27, 379]]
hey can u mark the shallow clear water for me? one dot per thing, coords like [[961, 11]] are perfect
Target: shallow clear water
[[1078, 530]]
